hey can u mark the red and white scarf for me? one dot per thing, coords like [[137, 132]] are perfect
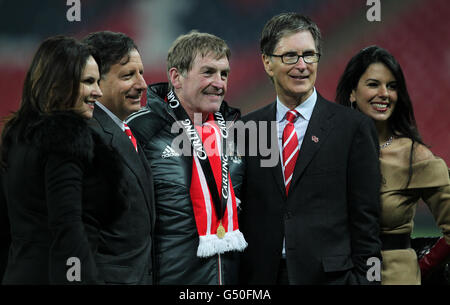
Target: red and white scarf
[[202, 202]]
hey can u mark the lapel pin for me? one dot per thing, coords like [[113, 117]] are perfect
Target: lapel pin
[[315, 139]]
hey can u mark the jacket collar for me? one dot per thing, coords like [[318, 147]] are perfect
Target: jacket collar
[[318, 129], [118, 140], [305, 109]]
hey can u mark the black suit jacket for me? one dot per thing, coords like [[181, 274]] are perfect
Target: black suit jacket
[[330, 218], [124, 254]]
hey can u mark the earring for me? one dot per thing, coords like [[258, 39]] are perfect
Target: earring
[[353, 105]]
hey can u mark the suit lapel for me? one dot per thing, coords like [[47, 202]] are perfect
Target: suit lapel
[[149, 189], [318, 129], [270, 116], [119, 140]]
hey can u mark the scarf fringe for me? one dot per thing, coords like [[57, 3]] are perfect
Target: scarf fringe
[[210, 244]]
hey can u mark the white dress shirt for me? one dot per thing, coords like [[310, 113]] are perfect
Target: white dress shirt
[[116, 120], [301, 124]]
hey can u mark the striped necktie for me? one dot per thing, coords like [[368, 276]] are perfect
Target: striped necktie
[[130, 136], [290, 148]]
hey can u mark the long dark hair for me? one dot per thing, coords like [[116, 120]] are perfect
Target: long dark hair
[[51, 84], [402, 122]]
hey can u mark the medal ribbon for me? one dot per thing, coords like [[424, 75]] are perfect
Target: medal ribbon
[[197, 146]]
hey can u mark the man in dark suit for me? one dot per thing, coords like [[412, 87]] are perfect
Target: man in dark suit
[[311, 217], [125, 253]]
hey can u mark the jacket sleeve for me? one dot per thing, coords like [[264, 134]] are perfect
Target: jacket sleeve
[[71, 260], [5, 233], [438, 200], [364, 200]]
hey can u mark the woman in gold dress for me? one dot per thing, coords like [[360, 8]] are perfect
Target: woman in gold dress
[[373, 83]]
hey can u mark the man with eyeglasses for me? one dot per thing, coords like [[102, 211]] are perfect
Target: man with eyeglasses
[[312, 218]]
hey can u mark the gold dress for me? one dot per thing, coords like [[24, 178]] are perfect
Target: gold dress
[[430, 182]]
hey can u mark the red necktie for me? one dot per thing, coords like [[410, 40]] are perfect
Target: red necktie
[[130, 136], [290, 148]]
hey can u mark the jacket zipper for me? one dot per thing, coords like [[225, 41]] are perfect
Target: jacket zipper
[[219, 258], [232, 121], [219, 261]]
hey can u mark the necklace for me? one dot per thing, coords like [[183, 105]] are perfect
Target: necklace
[[388, 142]]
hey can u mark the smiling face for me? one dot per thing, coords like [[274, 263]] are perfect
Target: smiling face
[[294, 83], [123, 85], [376, 92], [89, 89], [202, 89]]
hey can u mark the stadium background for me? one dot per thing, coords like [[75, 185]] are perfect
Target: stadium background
[[417, 32]]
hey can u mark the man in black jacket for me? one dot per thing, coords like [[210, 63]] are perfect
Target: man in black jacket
[[184, 130], [315, 219], [124, 255]]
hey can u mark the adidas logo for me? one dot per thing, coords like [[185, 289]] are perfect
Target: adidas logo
[[169, 152]]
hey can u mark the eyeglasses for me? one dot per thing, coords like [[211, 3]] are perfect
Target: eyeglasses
[[291, 58]]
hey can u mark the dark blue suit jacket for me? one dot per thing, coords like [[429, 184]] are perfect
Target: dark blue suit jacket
[[330, 218]]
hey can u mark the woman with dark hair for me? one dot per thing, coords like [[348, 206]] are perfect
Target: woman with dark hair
[[373, 83], [59, 183]]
